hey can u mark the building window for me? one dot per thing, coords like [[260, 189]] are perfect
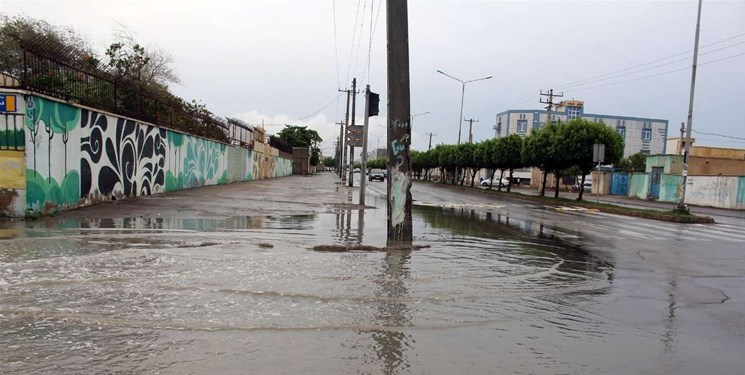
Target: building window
[[573, 112], [523, 116], [522, 126], [621, 130], [646, 135], [536, 125]]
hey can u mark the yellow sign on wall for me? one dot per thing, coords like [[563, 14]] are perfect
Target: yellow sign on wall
[[7, 103], [12, 170]]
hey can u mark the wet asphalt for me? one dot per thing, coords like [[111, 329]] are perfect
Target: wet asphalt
[[223, 279]]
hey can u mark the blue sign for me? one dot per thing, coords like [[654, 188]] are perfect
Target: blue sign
[[7, 103]]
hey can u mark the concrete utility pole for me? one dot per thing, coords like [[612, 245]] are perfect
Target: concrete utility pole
[[351, 148], [343, 173], [340, 161], [399, 226], [470, 128], [363, 166], [681, 205], [430, 134], [550, 107]]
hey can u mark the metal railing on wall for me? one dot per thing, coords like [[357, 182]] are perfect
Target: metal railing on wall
[[12, 134], [76, 77]]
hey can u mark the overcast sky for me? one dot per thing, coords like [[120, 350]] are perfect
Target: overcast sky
[[277, 60]]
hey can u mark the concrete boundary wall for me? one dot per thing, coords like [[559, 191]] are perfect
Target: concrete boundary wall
[[76, 156], [716, 191]]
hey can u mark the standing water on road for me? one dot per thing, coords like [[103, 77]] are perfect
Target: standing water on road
[[247, 294]]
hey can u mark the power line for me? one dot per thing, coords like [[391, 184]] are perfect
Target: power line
[[658, 60], [719, 135], [528, 98], [359, 40], [656, 75], [316, 112], [372, 37], [336, 50], [650, 68], [354, 33]]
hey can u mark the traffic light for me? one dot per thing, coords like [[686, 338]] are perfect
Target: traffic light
[[374, 104]]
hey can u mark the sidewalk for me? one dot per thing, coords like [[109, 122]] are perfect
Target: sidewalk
[[635, 202]]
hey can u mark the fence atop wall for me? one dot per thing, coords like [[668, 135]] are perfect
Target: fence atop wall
[[74, 76], [285, 149]]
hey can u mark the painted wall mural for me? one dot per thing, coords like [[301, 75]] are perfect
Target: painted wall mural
[[120, 157], [76, 157]]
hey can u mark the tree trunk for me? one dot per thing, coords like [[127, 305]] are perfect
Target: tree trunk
[[509, 185], [491, 179], [543, 184], [501, 176], [473, 176], [581, 188], [556, 187]]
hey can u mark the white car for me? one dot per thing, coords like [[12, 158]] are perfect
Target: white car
[[487, 182]]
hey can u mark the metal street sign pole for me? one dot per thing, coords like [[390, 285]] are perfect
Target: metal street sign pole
[[363, 167]]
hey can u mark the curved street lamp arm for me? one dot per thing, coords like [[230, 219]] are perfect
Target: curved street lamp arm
[[479, 79], [443, 73]]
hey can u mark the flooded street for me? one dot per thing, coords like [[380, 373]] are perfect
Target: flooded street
[[224, 280]]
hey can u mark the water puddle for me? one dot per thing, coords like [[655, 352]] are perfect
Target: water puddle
[[175, 295]]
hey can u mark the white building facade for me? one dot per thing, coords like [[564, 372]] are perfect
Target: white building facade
[[645, 135]]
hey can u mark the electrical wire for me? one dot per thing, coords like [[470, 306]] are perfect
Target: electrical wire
[[359, 40], [375, 28], [354, 33], [336, 49], [655, 61], [594, 79], [658, 74], [322, 108], [719, 135], [565, 87]]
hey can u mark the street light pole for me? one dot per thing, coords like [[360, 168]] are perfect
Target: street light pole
[[462, 97], [411, 119]]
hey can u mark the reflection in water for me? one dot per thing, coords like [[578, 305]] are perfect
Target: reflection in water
[[668, 338], [391, 342]]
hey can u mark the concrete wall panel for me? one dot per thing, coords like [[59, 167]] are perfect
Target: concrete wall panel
[[716, 191]]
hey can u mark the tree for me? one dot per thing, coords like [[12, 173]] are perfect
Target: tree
[[328, 161], [540, 151], [509, 153], [465, 159], [157, 72], [14, 30], [487, 157], [300, 136], [638, 162], [579, 136]]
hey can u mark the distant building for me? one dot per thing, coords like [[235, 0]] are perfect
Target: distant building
[[645, 135], [378, 153]]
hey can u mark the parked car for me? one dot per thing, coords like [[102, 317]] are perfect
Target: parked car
[[487, 182], [356, 170], [376, 174]]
